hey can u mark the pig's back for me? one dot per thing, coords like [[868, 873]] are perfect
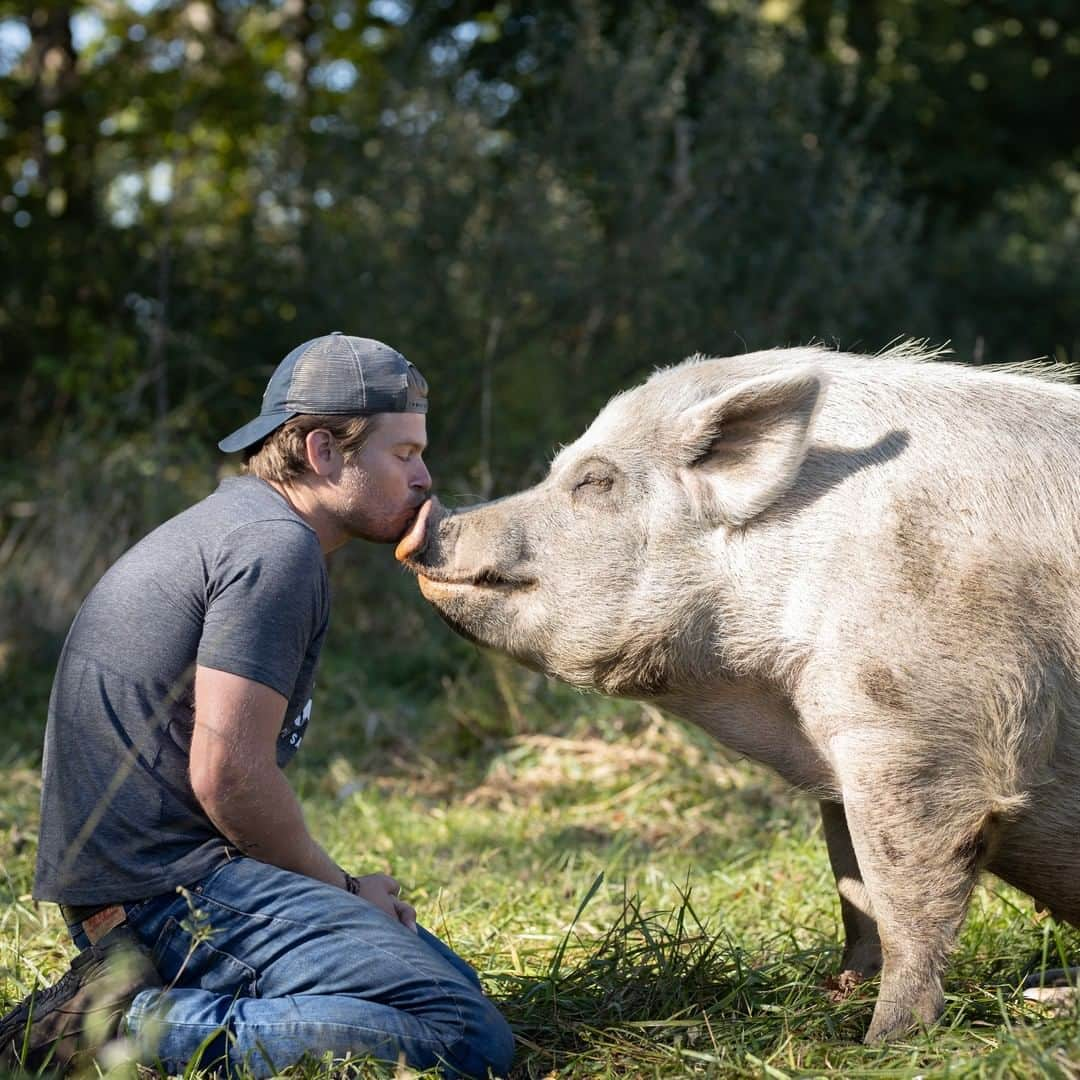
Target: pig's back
[[997, 450]]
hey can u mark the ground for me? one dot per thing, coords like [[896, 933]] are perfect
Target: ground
[[639, 903]]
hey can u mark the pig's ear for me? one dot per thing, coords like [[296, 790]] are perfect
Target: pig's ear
[[743, 448]]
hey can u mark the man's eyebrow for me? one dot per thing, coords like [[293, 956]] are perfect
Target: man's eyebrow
[[421, 446]]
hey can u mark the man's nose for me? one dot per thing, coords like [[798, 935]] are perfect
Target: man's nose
[[422, 479]]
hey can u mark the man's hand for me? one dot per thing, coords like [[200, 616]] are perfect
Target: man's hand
[[382, 891]]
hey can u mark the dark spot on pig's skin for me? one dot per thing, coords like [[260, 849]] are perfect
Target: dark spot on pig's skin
[[921, 554], [1023, 599], [979, 593], [889, 849], [880, 686]]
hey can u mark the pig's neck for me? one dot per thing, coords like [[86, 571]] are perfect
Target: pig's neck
[[759, 722]]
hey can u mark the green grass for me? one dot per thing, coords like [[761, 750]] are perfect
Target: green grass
[[638, 903]]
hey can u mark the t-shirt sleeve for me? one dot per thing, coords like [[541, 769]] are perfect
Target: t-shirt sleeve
[[265, 602]]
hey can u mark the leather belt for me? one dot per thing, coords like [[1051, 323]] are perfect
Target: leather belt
[[94, 921]]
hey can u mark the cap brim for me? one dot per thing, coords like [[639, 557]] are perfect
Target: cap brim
[[252, 432]]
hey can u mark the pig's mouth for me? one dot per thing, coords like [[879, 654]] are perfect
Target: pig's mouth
[[485, 579], [439, 582]]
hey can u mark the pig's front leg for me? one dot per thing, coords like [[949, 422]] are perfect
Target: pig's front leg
[[919, 840], [862, 949]]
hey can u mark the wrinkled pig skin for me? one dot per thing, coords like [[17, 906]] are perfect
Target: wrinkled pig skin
[[863, 572]]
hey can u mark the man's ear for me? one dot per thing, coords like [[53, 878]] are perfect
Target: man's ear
[[322, 452], [743, 448]]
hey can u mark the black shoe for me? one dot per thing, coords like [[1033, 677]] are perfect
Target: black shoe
[[66, 1023]]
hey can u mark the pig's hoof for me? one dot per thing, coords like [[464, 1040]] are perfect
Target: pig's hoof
[[892, 1020], [889, 1029], [862, 959], [1052, 977], [881, 1031]]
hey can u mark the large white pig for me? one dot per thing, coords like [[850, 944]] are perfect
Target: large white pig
[[863, 572]]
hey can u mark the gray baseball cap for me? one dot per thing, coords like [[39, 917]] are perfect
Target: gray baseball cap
[[338, 375]]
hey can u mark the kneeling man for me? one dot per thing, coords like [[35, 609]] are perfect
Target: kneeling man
[[207, 917]]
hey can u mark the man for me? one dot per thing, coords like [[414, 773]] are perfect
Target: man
[[209, 920]]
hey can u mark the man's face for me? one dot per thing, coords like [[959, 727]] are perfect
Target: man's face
[[380, 489]]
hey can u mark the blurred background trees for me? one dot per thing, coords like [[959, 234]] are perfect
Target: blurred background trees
[[537, 203]]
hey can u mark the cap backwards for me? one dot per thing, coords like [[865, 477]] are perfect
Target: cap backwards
[[337, 375]]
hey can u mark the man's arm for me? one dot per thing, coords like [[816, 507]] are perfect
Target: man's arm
[[235, 777]]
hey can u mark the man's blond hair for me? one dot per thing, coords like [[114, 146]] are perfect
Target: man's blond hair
[[282, 455]]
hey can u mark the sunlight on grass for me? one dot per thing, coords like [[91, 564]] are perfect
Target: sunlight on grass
[[639, 903]]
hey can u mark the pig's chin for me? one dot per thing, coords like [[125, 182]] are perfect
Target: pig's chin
[[487, 614]]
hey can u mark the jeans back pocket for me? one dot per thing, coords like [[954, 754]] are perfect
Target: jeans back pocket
[[187, 960]]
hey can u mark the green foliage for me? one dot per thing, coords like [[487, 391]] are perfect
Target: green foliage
[[537, 207], [970, 99]]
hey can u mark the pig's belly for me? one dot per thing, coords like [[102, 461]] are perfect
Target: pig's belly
[[758, 723]]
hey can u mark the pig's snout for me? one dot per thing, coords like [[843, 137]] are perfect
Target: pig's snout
[[415, 540]]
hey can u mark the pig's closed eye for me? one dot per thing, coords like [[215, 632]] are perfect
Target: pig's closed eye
[[594, 482]]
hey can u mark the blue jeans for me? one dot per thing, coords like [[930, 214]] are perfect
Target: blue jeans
[[280, 966]]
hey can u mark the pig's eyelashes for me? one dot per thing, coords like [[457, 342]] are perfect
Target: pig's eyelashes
[[594, 481]]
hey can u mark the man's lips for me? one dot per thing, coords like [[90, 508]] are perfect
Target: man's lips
[[415, 538]]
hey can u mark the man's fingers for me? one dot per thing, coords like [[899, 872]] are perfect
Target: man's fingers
[[382, 891], [380, 881], [391, 885], [406, 914]]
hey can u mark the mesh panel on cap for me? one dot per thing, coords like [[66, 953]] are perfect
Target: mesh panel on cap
[[327, 378], [342, 374]]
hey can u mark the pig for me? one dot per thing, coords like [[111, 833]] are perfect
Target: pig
[[862, 571]]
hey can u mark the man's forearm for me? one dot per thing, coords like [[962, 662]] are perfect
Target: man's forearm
[[259, 813]]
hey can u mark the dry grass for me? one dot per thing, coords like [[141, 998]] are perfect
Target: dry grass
[[639, 903]]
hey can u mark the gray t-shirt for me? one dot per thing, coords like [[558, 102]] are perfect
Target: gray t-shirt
[[236, 583]]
